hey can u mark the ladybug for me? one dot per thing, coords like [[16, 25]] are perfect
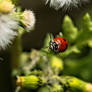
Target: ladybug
[[58, 44]]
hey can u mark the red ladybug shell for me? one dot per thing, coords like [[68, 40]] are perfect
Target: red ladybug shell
[[62, 43]]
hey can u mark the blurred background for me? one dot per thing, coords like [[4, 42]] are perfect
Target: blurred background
[[47, 20]]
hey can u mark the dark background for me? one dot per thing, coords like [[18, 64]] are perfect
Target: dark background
[[47, 20]]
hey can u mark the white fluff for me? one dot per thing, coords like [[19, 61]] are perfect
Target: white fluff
[[7, 33], [28, 19], [63, 3]]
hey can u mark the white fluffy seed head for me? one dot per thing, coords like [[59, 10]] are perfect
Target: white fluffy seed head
[[7, 33], [57, 4], [28, 19]]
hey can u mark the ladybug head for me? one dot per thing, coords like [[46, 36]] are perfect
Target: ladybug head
[[53, 46]]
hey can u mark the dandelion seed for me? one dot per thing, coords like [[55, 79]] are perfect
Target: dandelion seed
[[7, 33], [57, 4]]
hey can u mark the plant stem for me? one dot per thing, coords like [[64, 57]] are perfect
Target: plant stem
[[16, 52]]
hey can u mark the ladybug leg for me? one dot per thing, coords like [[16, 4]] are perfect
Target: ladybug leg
[[51, 45]]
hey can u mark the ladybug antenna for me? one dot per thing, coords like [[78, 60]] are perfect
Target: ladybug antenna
[[51, 37], [60, 34]]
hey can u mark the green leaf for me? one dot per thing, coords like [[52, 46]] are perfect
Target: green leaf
[[69, 30]]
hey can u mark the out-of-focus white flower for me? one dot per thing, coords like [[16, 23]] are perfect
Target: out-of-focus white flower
[[28, 19], [7, 33], [63, 3]]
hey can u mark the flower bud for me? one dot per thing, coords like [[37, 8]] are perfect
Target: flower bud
[[6, 6], [28, 19], [29, 82], [74, 84], [56, 64]]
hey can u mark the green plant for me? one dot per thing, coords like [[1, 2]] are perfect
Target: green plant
[[48, 67], [45, 70]]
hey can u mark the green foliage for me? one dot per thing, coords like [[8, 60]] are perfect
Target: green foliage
[[78, 56], [48, 66], [69, 30]]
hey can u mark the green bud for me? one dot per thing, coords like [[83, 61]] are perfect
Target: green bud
[[74, 84], [56, 64], [29, 82]]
